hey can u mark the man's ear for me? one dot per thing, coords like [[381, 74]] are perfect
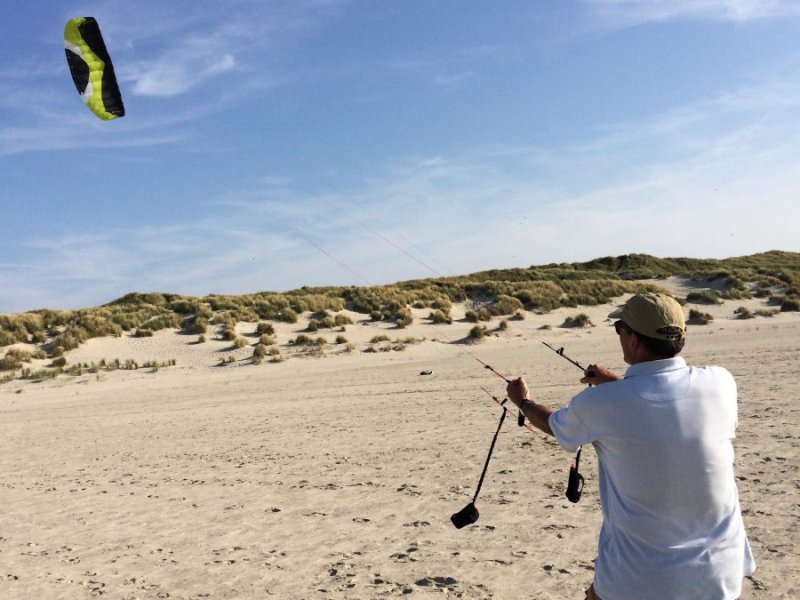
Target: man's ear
[[635, 347]]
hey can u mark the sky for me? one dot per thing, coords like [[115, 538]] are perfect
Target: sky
[[274, 144]]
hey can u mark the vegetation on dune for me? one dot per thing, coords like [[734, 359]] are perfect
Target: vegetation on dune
[[697, 317], [774, 276], [708, 297], [744, 313], [580, 320], [477, 333], [439, 317], [59, 366]]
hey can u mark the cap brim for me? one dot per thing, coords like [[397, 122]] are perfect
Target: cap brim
[[616, 313]]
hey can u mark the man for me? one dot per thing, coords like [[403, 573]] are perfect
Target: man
[[672, 526]]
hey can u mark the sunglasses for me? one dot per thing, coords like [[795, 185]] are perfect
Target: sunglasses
[[620, 326]]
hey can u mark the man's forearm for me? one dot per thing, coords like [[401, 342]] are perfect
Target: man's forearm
[[538, 415]]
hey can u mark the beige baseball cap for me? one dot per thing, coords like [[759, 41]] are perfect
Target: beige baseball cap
[[654, 315]]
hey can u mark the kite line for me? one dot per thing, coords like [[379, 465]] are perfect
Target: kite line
[[469, 514]]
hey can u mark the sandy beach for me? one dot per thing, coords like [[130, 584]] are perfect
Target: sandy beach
[[335, 475]]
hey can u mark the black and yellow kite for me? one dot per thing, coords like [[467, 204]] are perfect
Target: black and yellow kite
[[91, 68]]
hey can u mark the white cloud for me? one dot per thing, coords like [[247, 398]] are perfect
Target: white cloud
[[180, 70], [165, 50], [454, 79], [728, 161], [713, 179], [631, 12]]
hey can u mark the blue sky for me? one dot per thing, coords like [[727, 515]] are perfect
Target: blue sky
[[273, 144]]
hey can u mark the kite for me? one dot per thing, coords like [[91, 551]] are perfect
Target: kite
[[91, 68]]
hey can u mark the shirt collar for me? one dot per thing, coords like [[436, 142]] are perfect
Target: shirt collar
[[654, 367]]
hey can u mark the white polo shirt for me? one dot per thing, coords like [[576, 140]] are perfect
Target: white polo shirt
[[672, 525]]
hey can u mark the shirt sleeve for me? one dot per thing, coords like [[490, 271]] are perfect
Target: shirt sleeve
[[568, 427]]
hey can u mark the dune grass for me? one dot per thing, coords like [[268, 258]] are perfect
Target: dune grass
[[503, 292]]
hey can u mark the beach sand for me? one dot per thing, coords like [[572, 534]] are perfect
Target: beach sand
[[335, 476]]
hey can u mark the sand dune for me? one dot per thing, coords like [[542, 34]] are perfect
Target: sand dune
[[335, 476]]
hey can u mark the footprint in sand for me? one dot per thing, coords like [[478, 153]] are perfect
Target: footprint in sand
[[439, 582]]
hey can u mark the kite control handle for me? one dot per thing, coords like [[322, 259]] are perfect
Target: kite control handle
[[520, 414], [575, 481], [590, 372]]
